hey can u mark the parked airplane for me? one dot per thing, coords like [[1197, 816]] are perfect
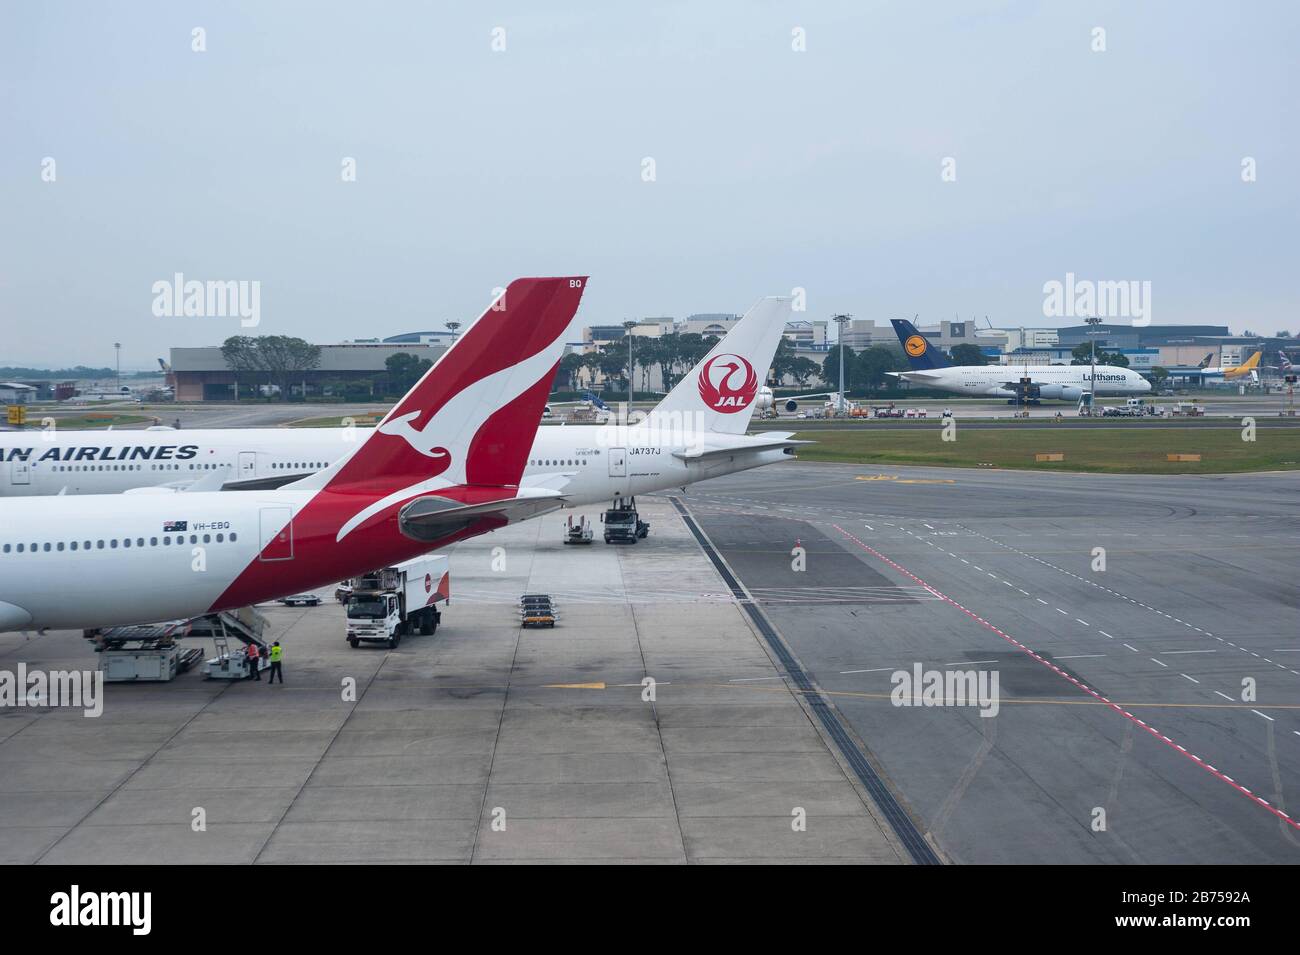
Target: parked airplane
[[590, 407], [696, 432], [1247, 369], [1066, 382], [443, 465], [125, 395], [766, 403]]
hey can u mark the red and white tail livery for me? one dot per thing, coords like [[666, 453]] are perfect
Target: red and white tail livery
[[720, 394], [445, 464]]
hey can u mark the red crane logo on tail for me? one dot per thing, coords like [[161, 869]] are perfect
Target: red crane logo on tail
[[728, 383]]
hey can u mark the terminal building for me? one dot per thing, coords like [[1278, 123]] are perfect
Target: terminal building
[[863, 333], [17, 393], [201, 374], [1182, 350], [417, 338]]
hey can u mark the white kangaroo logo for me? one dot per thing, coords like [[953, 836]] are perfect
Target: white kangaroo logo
[[401, 428]]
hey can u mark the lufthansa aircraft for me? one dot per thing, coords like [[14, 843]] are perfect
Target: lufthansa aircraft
[[1067, 382], [445, 464], [696, 432], [767, 400]]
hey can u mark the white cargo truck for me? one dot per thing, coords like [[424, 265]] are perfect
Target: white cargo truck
[[386, 604], [1138, 406]]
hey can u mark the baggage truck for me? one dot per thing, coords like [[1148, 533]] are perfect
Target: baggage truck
[[386, 604]]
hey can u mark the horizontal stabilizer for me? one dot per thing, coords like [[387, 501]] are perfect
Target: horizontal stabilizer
[[709, 454], [914, 375], [269, 483], [549, 482], [432, 517], [212, 481]]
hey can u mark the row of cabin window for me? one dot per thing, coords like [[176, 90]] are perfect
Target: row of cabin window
[[548, 463], [134, 467], [112, 544], [116, 467], [166, 467], [299, 466]]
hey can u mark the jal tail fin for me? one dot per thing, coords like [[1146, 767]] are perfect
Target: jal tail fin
[[921, 355], [719, 393], [471, 419]]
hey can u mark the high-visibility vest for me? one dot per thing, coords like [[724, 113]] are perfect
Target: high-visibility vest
[[252, 651], [275, 654]]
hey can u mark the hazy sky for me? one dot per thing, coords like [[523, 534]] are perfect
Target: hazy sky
[[774, 168]]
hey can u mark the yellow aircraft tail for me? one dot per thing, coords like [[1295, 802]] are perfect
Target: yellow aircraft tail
[[1245, 368]]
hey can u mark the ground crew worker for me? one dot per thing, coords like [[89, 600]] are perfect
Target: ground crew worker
[[253, 655], [276, 653]]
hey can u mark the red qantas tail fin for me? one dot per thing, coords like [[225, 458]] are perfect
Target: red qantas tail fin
[[472, 418]]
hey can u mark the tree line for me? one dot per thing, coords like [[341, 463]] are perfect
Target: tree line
[[279, 360], [675, 354]]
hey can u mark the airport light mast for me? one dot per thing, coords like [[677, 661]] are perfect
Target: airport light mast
[[452, 327], [631, 374], [1092, 323], [117, 349], [841, 321]]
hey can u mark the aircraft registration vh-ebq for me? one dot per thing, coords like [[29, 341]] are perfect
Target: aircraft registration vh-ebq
[[444, 464], [696, 432], [930, 367]]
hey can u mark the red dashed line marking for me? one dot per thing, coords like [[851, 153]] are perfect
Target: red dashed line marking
[[1116, 593], [1086, 689]]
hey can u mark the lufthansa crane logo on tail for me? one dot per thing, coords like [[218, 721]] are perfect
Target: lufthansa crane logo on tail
[[915, 345], [728, 383]]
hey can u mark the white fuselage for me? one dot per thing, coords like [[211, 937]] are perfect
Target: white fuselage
[[587, 463], [110, 462], [107, 559], [991, 380], [104, 561]]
